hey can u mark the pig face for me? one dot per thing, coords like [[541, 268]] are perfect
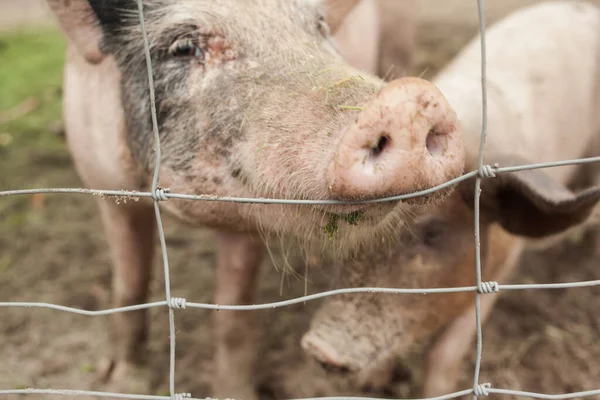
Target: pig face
[[253, 100], [356, 332]]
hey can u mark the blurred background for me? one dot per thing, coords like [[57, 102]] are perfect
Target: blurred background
[[52, 249]]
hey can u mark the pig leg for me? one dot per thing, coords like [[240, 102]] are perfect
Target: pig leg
[[130, 231], [239, 259], [445, 358]]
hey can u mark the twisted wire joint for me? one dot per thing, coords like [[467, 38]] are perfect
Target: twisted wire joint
[[488, 287], [482, 389], [177, 302], [488, 171], [160, 194]]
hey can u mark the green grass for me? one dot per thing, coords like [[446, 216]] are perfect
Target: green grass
[[31, 65], [31, 68], [31, 154]]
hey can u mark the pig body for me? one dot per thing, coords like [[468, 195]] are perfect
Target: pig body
[[253, 104], [359, 35], [398, 29], [378, 36], [543, 100]]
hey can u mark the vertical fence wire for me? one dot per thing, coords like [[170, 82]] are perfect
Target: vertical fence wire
[[478, 178], [158, 194]]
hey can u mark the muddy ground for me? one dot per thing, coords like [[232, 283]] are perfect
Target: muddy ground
[[52, 249]]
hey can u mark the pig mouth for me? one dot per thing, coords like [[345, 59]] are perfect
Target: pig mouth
[[352, 213]]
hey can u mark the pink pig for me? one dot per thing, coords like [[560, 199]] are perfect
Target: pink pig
[[254, 100]]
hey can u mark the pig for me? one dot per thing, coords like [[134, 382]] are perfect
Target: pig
[[253, 99], [359, 35], [378, 36], [543, 101], [398, 31]]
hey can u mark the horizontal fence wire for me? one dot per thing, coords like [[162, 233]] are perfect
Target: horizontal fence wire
[[158, 194], [163, 194], [176, 302], [454, 395]]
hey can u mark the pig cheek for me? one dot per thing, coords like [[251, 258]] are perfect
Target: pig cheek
[[209, 177]]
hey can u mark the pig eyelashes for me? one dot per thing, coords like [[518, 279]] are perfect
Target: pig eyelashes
[[186, 48]]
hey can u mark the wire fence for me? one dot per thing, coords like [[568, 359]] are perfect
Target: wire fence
[[172, 303]]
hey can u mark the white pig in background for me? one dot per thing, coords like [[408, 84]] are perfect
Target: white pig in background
[[378, 36], [543, 105], [398, 26]]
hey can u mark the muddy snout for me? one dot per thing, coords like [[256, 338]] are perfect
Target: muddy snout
[[319, 347], [407, 138], [341, 340]]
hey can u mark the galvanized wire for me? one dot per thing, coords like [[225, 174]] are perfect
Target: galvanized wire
[[159, 194], [302, 299], [136, 195], [133, 195], [185, 396], [477, 197]]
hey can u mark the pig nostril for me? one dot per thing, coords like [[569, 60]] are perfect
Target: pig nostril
[[382, 143], [401, 373], [334, 368], [436, 142]]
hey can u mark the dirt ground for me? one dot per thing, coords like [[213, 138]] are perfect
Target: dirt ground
[[52, 249]]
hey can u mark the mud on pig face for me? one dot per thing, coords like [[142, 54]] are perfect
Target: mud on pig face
[[253, 100]]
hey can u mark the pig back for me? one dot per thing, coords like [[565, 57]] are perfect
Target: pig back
[[542, 74]]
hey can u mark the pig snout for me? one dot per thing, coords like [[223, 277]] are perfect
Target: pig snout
[[332, 360], [346, 342], [405, 139]]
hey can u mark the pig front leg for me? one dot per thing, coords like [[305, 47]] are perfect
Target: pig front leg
[[444, 359], [239, 259], [130, 229], [446, 356]]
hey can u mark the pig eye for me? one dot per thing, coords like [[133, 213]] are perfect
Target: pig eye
[[186, 48], [433, 233]]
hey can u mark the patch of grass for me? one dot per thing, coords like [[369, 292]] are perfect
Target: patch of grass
[[31, 66], [19, 386], [88, 368], [31, 70], [354, 217], [331, 228]]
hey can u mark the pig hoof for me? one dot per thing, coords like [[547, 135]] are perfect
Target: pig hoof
[[122, 377]]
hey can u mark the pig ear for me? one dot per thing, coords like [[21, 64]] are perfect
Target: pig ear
[[530, 203], [91, 25], [337, 10]]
